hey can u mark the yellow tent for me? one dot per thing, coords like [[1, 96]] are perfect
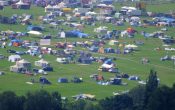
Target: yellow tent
[[67, 10], [121, 45]]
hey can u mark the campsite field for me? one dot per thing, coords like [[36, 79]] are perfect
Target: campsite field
[[129, 63]]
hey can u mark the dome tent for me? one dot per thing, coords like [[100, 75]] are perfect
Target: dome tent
[[41, 63]]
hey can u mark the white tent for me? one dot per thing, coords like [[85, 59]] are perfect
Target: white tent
[[135, 18], [107, 66], [90, 13], [3, 3], [41, 63], [15, 68], [34, 32], [62, 5], [23, 64], [101, 5], [61, 60], [14, 58], [131, 46], [113, 42], [101, 29], [62, 34], [50, 8], [21, 3]]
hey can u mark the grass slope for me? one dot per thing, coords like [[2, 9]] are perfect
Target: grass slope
[[127, 63]]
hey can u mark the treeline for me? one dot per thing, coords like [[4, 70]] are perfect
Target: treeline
[[148, 97]]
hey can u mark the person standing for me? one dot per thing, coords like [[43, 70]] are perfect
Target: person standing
[[4, 45]]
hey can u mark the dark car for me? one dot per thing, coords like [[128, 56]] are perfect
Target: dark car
[[47, 68], [44, 80], [11, 51], [76, 80], [35, 70], [2, 73], [169, 41]]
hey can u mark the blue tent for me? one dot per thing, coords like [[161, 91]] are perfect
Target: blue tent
[[84, 60], [75, 33], [107, 2], [108, 61], [47, 68], [34, 28], [93, 49], [16, 40], [133, 78], [43, 80], [109, 50], [116, 81], [63, 80], [168, 20]]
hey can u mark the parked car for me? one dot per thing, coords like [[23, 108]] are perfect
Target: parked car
[[1, 73], [2, 56]]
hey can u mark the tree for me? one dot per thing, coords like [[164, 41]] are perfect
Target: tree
[[161, 99], [152, 82], [20, 102], [151, 85], [89, 106], [120, 102], [9, 101], [76, 105], [172, 103], [42, 100], [138, 96], [56, 101]]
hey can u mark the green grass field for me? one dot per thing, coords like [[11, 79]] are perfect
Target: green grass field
[[126, 63]]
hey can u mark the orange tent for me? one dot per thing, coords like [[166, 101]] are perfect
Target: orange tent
[[130, 30]]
